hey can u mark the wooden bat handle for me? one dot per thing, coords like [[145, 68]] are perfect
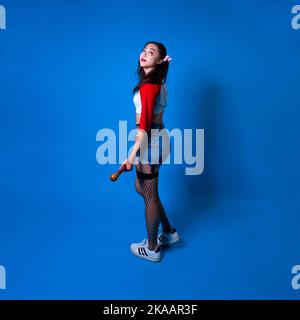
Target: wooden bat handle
[[115, 175]]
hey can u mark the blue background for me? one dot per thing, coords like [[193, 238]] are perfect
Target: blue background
[[67, 71]]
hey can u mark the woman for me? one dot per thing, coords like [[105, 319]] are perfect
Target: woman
[[150, 101]]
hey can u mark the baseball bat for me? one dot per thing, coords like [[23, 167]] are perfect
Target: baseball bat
[[116, 175]]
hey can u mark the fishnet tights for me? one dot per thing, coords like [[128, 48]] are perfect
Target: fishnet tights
[[154, 210]]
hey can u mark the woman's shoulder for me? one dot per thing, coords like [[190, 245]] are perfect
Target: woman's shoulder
[[151, 87]]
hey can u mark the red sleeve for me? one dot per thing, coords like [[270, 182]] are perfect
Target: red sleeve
[[148, 93]]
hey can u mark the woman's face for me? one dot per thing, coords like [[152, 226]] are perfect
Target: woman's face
[[149, 56]]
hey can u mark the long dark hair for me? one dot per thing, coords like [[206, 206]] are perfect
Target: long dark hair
[[158, 74]]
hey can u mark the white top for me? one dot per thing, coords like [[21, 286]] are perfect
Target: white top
[[160, 102]]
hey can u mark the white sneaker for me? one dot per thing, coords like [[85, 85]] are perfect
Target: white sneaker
[[140, 244], [141, 250], [164, 239]]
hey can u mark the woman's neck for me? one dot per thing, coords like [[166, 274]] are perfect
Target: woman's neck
[[147, 70]]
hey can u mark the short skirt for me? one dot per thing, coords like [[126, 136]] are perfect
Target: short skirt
[[158, 147]]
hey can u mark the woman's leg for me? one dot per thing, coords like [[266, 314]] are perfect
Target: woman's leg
[[138, 181], [138, 187], [162, 214], [149, 188], [163, 218], [147, 185]]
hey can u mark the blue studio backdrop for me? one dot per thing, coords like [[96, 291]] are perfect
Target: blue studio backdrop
[[67, 69]]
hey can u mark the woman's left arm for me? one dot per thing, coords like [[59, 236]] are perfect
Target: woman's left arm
[[140, 140], [148, 93]]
